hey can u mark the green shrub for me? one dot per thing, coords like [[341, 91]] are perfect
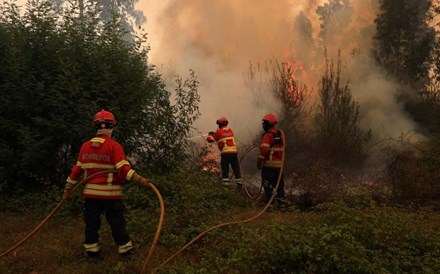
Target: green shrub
[[338, 239], [413, 172]]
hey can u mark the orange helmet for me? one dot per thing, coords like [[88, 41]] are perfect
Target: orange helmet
[[104, 119], [270, 119], [222, 121]]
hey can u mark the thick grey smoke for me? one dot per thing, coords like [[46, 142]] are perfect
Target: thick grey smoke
[[218, 39]]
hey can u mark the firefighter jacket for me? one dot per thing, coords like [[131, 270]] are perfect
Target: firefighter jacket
[[225, 139], [271, 149], [99, 154]]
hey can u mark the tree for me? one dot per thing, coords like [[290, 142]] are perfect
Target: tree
[[58, 71], [404, 40], [334, 17], [130, 18], [339, 135], [161, 143], [292, 97]]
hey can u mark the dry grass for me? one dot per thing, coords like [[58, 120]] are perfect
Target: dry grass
[[57, 248]]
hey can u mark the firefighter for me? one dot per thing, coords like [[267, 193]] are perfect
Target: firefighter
[[103, 193], [270, 161], [224, 136]]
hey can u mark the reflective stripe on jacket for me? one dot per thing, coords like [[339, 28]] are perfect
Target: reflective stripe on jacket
[[271, 150], [99, 154], [225, 139]]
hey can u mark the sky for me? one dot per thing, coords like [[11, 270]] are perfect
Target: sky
[[219, 39]]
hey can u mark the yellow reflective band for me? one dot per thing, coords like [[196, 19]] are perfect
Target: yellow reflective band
[[95, 247], [70, 181], [265, 145], [103, 190], [225, 139], [98, 140], [129, 174], [228, 149], [124, 248], [103, 187], [122, 163], [277, 149], [270, 163], [103, 193], [94, 165]]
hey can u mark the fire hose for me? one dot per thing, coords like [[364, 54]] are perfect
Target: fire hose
[[44, 221], [158, 230], [58, 206], [246, 188], [248, 193], [232, 222]]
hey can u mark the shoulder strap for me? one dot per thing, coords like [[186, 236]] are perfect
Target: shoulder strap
[[277, 138]]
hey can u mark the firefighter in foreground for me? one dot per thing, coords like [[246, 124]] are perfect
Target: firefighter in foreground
[[103, 193], [224, 136], [270, 162]]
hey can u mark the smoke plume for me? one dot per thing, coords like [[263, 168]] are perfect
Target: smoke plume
[[218, 39]]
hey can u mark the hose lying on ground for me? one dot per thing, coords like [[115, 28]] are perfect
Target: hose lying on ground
[[57, 207], [274, 193]]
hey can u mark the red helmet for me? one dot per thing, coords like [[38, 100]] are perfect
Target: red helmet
[[104, 119], [222, 120], [270, 118]]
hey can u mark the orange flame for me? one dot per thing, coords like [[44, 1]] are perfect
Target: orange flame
[[296, 66], [210, 162]]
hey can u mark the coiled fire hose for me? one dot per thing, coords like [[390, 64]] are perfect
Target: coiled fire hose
[[233, 222], [76, 186]]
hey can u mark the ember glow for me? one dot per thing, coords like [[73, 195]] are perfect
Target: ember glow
[[210, 162]]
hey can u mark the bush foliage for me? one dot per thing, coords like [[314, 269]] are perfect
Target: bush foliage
[[58, 71]]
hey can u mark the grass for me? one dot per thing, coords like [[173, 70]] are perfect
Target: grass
[[349, 235], [57, 247]]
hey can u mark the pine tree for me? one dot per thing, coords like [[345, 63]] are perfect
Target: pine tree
[[338, 132]]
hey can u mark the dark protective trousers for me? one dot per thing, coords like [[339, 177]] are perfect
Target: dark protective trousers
[[269, 178], [230, 160], [114, 213]]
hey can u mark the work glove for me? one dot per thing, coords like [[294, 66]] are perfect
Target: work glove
[[66, 193], [260, 163], [140, 180], [143, 182], [211, 133]]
